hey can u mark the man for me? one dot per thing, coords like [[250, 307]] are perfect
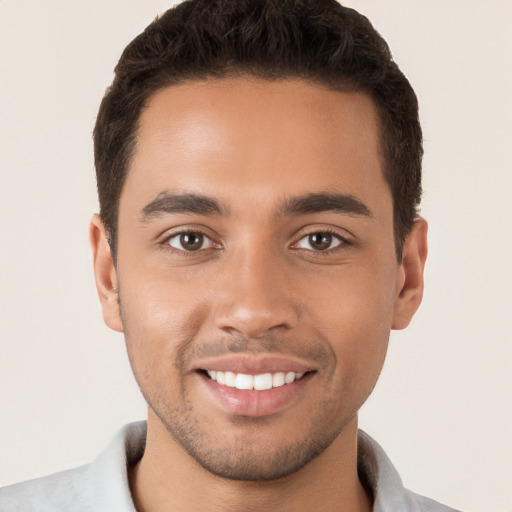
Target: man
[[259, 175]]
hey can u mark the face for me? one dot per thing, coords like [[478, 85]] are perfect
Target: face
[[256, 271]]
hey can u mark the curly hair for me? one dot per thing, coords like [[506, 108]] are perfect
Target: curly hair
[[316, 40]]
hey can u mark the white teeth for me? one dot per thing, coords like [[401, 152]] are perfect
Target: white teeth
[[263, 381], [289, 378], [230, 379], [259, 382], [278, 379], [243, 381]]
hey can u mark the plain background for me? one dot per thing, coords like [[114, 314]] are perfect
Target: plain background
[[442, 409]]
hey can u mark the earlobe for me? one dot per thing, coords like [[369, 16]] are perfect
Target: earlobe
[[410, 276], [105, 274]]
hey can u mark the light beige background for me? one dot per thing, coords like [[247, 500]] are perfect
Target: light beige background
[[442, 409]]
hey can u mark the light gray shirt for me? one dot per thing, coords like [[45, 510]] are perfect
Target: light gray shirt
[[102, 485]]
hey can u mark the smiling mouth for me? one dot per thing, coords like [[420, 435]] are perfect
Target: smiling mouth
[[260, 382]]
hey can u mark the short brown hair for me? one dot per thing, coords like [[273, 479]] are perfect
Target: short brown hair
[[316, 40]]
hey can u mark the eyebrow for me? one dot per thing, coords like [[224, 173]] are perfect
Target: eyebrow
[[166, 203], [325, 202]]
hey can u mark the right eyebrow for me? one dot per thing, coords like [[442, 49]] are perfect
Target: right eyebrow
[[166, 203]]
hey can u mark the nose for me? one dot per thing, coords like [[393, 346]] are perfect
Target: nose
[[256, 295]]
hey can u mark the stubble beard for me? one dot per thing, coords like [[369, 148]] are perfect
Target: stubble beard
[[238, 459]]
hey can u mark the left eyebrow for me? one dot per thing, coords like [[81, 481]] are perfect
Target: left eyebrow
[[324, 202], [168, 204]]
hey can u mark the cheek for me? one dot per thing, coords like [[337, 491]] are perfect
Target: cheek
[[160, 318], [353, 311], [357, 297]]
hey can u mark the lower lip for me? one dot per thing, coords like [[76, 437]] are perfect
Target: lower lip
[[256, 403]]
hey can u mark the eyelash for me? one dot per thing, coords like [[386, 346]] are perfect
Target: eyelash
[[343, 245], [183, 253]]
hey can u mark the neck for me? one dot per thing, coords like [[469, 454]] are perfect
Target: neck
[[167, 478]]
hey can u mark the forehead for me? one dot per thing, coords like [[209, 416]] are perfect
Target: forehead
[[257, 139]]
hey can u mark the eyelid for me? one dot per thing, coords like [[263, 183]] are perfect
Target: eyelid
[[335, 237], [177, 236], [163, 240], [345, 240], [184, 228]]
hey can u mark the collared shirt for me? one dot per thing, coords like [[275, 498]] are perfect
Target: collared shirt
[[102, 485]]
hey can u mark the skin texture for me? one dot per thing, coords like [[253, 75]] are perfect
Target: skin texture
[[259, 287]]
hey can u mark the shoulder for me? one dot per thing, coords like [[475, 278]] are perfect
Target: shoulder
[[101, 485], [57, 492], [382, 479], [424, 504]]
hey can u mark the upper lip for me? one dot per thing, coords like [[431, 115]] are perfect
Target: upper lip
[[255, 365]]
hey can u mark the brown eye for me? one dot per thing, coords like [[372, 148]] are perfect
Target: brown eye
[[190, 241], [320, 241]]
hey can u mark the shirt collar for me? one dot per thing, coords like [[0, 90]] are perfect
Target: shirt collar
[[127, 447], [107, 475], [382, 479]]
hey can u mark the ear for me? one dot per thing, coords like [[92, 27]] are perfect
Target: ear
[[105, 274], [410, 275]]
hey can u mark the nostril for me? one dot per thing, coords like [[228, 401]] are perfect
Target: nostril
[[256, 324]]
